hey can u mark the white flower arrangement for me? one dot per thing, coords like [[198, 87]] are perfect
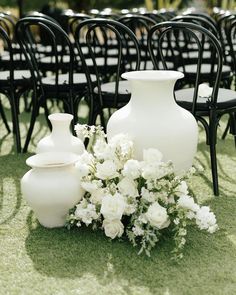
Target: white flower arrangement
[[140, 200]]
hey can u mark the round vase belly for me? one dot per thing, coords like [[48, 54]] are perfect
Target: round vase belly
[[52, 186], [153, 119], [61, 138]]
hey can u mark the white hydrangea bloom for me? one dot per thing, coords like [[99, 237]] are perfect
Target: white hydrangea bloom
[[86, 212], [113, 206], [205, 219], [106, 170]]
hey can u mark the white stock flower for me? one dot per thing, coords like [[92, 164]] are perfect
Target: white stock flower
[[127, 187], [113, 207], [106, 170], [86, 158], [206, 219], [102, 150], [82, 169], [182, 189], [122, 143], [130, 208], [113, 228], [131, 169], [137, 230], [157, 216], [187, 202], [153, 170], [152, 155]]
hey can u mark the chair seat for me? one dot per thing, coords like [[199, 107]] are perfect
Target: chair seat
[[191, 69], [79, 80], [226, 99], [20, 76], [108, 91]]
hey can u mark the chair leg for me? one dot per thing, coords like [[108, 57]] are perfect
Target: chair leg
[[214, 169], [212, 142], [31, 127], [2, 113], [226, 129], [15, 121]]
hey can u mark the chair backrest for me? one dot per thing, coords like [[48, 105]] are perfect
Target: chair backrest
[[140, 25], [6, 44], [27, 34], [113, 43], [231, 37], [192, 34]]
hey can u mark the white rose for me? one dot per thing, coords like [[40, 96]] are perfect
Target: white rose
[[113, 206], [97, 196], [147, 195], [152, 155], [128, 187], [91, 186], [157, 216], [187, 202], [131, 169], [106, 170], [113, 228]]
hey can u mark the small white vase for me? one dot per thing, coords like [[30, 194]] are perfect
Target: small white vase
[[61, 138], [52, 186], [153, 119]]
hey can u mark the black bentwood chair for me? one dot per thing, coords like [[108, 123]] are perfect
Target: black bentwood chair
[[207, 110], [60, 82], [13, 83], [110, 49]]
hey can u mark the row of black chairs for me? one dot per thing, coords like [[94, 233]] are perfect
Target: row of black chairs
[[90, 66]]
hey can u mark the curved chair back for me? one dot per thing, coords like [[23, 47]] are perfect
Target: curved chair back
[[179, 35]]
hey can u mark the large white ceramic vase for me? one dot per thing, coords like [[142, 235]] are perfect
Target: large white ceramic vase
[[61, 138], [52, 186], [153, 119]]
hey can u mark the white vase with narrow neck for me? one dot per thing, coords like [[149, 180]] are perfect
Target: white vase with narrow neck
[[61, 138], [153, 119]]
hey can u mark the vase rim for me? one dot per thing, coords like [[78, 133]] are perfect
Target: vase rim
[[153, 75], [60, 117], [52, 159]]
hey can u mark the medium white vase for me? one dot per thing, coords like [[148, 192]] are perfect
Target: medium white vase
[[153, 119], [61, 138], [52, 186]]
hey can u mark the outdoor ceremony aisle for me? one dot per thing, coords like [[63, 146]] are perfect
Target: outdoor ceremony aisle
[[36, 260]]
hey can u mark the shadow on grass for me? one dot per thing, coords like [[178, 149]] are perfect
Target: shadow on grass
[[11, 171], [208, 264]]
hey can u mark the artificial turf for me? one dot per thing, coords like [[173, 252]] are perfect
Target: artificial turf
[[36, 260]]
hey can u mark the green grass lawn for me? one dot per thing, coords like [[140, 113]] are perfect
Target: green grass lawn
[[36, 260]]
